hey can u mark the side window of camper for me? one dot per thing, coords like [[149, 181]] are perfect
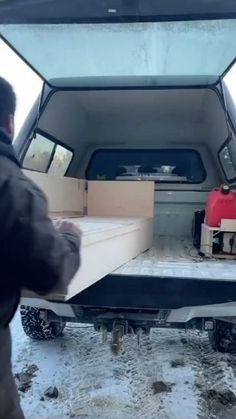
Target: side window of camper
[[227, 157], [46, 156]]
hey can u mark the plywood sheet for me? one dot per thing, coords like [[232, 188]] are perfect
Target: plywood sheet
[[228, 225], [206, 240], [65, 195], [120, 198]]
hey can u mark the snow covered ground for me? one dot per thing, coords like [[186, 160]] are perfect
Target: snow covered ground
[[172, 375]]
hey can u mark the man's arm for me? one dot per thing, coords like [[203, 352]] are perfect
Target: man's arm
[[36, 254]]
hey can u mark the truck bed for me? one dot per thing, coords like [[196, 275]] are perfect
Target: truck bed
[[175, 257], [170, 275]]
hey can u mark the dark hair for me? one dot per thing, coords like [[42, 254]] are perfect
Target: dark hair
[[7, 101]]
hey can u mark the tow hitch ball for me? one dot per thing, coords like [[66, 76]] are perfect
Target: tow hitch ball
[[118, 331], [117, 337]]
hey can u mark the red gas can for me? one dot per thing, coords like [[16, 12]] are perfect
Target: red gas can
[[221, 204]]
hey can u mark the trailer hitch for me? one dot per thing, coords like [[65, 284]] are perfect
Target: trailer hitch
[[119, 329]]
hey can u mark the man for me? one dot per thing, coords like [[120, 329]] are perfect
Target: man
[[33, 254]]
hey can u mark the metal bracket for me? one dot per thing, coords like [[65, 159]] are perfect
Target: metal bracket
[[162, 316]]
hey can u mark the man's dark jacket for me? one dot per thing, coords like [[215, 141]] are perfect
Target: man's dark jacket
[[33, 254]]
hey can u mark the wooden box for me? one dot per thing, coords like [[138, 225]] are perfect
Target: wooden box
[[116, 219], [207, 237]]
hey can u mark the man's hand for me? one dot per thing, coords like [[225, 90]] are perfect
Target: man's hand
[[67, 227]]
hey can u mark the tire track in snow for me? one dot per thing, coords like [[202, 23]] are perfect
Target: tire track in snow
[[94, 383], [214, 371]]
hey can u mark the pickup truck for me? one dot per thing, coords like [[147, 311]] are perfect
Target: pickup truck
[[144, 85]]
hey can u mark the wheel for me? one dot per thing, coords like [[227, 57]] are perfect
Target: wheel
[[223, 339], [37, 328]]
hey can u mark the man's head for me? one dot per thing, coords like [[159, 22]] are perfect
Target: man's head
[[7, 107]]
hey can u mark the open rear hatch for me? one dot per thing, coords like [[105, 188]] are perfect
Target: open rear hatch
[[166, 39], [85, 11]]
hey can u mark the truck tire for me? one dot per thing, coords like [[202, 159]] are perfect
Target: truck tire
[[37, 328], [223, 339]]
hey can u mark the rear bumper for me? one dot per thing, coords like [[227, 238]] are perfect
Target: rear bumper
[[217, 311], [161, 318]]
